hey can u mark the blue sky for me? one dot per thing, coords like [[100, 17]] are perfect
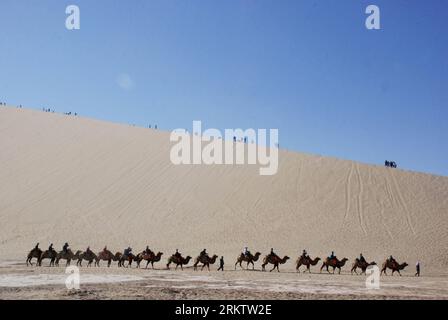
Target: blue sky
[[309, 68]]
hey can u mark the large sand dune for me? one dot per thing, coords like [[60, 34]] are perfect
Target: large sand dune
[[88, 182]]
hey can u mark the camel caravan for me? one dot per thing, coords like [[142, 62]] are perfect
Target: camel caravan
[[203, 260]]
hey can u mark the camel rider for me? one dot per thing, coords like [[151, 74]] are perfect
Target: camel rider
[[88, 251], [304, 253], [105, 249], [203, 253], [127, 252], [65, 247], [177, 254], [50, 248], [332, 256], [147, 250], [273, 254], [392, 260], [246, 252], [37, 246], [361, 258]]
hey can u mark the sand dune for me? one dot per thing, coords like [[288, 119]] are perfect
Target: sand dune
[[88, 182]]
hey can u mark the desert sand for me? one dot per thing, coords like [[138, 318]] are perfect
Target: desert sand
[[95, 183]]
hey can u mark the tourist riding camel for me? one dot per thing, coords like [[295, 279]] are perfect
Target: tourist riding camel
[[34, 253], [89, 256], [362, 264], [333, 262], [305, 260], [151, 258], [392, 264], [178, 260], [127, 256], [48, 254], [65, 248], [205, 260], [274, 259], [105, 255], [249, 258], [65, 255]]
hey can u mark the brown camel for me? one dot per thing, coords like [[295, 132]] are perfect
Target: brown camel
[[275, 260], [129, 258], [88, 256], [249, 258], [394, 266], [150, 258], [47, 254], [334, 263], [205, 260], [363, 265], [105, 255], [35, 253], [306, 261], [178, 261], [68, 256]]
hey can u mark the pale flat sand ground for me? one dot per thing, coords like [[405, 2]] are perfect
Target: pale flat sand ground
[[89, 182], [20, 282]]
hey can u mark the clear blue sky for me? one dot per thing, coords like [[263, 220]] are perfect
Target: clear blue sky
[[309, 68]]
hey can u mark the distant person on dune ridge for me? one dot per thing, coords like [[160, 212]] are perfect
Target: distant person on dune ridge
[[417, 269]]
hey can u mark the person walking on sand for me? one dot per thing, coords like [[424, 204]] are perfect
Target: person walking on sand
[[417, 269], [221, 264]]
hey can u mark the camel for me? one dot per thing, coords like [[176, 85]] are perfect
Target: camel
[[89, 256], [306, 261], [275, 260], [334, 263], [106, 255], [68, 256], [394, 266], [362, 265], [129, 258], [35, 253], [249, 259], [178, 261], [205, 260], [150, 258], [47, 254]]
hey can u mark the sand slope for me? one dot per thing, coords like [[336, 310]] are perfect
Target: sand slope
[[65, 178]]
